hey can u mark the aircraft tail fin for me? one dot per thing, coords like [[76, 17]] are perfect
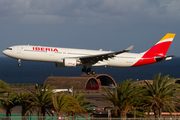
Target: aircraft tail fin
[[158, 52], [161, 47]]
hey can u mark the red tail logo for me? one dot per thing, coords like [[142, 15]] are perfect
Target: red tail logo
[[158, 50]]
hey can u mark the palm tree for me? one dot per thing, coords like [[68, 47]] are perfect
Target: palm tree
[[83, 102], [24, 100], [161, 94], [41, 100], [7, 103], [65, 104], [124, 96], [4, 87]]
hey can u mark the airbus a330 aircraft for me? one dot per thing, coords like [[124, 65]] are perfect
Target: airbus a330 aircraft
[[66, 57]]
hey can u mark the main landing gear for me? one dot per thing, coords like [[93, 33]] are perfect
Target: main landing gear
[[19, 62], [88, 70]]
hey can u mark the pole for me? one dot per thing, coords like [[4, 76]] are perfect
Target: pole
[[109, 114], [134, 113], [72, 91]]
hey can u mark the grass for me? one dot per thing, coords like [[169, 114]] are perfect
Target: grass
[[21, 84]]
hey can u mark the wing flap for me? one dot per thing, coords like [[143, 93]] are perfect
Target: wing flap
[[100, 57]]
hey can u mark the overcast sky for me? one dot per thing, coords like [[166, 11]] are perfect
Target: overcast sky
[[89, 24]]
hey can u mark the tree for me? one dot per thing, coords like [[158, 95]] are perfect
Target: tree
[[65, 104], [41, 100], [24, 100], [124, 96], [83, 103], [161, 94], [4, 87], [9, 102]]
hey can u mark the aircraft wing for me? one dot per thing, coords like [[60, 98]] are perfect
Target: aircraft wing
[[100, 57]]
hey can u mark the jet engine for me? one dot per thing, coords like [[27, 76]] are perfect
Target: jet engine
[[69, 62]]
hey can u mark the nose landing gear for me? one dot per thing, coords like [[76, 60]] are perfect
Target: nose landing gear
[[88, 70], [19, 62]]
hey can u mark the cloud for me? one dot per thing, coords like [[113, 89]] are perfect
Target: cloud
[[89, 11]]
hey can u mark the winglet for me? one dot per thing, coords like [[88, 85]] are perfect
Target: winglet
[[129, 48], [126, 50]]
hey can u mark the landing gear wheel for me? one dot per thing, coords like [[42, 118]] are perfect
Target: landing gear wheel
[[93, 72], [19, 64], [88, 72]]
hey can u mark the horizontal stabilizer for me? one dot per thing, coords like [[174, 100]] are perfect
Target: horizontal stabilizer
[[158, 59]]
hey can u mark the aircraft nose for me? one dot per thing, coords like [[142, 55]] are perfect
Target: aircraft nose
[[4, 52]]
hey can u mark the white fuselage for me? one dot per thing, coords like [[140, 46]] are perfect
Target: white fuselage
[[66, 57], [56, 55]]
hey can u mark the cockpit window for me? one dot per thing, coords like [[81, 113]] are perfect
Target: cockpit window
[[9, 48]]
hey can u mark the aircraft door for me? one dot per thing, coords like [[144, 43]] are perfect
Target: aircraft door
[[19, 50]]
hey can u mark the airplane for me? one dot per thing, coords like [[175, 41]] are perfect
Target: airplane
[[66, 57]]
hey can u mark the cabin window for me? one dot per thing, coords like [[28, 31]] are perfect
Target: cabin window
[[9, 48]]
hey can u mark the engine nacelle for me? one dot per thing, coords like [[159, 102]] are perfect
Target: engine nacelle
[[69, 62]]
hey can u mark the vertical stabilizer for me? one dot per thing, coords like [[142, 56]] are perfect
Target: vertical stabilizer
[[157, 52], [161, 47]]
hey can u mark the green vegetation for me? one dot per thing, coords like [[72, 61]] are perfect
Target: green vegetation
[[161, 94], [41, 100], [65, 104], [84, 105], [124, 96], [146, 98], [21, 84], [24, 101], [7, 103], [3, 87], [155, 97]]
